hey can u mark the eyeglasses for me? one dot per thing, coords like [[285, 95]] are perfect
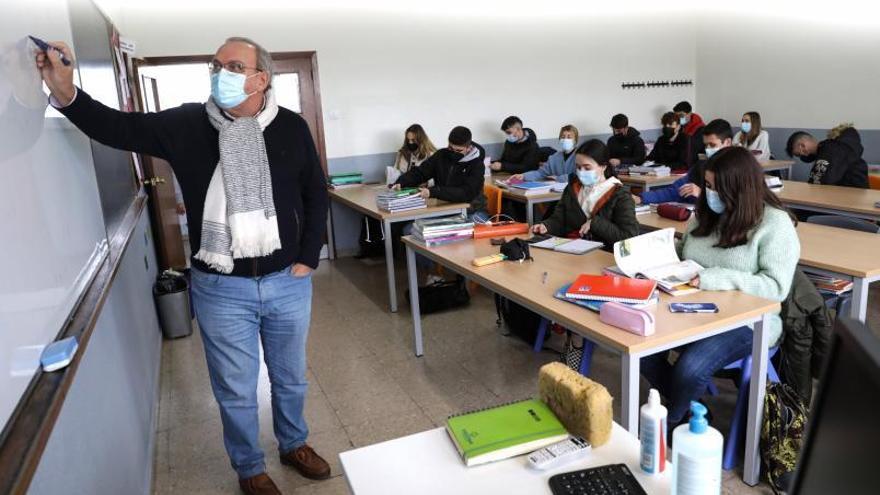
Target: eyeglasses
[[235, 66]]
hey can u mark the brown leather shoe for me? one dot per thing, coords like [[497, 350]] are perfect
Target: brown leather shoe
[[307, 462], [260, 484]]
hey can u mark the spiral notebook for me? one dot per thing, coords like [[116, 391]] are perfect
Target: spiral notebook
[[609, 288], [501, 432]]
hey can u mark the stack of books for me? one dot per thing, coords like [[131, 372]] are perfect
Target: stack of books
[[529, 188], [829, 285], [402, 200], [656, 171], [338, 181], [443, 230], [591, 291]]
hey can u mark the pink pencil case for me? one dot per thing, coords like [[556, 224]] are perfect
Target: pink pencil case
[[637, 321]]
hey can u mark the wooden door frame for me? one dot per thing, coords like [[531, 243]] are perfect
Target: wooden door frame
[[312, 55]]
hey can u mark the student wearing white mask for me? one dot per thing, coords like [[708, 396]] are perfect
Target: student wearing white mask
[[560, 164], [594, 205], [752, 137]]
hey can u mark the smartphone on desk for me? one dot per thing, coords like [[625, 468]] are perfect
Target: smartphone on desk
[[693, 308]]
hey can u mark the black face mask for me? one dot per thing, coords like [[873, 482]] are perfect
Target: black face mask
[[668, 131], [809, 158], [412, 146]]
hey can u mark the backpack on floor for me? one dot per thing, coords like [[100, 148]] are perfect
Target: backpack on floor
[[372, 239], [442, 295], [520, 321], [782, 434]]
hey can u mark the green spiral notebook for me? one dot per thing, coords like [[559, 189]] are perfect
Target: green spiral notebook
[[504, 431]]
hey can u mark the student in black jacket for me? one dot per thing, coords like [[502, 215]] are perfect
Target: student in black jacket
[[520, 152], [458, 173], [837, 161], [671, 148], [595, 205], [625, 146]]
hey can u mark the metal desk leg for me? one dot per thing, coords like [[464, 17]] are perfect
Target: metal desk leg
[[413, 276], [629, 391], [530, 212], [389, 265], [859, 306], [757, 390]]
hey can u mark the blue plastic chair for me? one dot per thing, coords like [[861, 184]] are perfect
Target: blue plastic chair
[[589, 347], [738, 423]]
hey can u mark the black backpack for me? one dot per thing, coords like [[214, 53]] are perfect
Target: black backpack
[[520, 321], [442, 295]]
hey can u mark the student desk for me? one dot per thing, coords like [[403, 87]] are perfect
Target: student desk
[[363, 200], [834, 200], [530, 200], [427, 463], [778, 165], [840, 253], [646, 182], [523, 283]]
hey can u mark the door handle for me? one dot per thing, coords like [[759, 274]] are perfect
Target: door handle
[[153, 181]]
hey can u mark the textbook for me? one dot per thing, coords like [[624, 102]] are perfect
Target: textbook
[[532, 187], [594, 305], [611, 288], [402, 200], [504, 431], [652, 256], [570, 246]]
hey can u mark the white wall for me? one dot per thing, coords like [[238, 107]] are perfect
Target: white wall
[[381, 71], [798, 73]]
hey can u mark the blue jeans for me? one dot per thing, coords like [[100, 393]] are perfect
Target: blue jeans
[[424, 263], [235, 315], [686, 380]]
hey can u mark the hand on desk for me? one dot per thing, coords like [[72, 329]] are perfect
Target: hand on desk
[[394, 187], [517, 177], [539, 228], [688, 190], [695, 282], [424, 192], [496, 166], [585, 228], [636, 199]]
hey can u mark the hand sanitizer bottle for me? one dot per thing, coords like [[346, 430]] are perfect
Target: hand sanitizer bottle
[[696, 456], [652, 434]]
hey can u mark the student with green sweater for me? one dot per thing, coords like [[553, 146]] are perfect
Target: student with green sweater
[[746, 240], [594, 205]]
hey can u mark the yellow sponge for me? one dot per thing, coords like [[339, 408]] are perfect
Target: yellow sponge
[[583, 406]]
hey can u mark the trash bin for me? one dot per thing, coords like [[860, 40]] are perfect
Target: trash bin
[[171, 292]]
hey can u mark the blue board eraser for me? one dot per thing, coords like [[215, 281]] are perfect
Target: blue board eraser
[[58, 354]]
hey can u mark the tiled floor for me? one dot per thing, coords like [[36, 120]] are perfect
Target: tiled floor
[[366, 384]]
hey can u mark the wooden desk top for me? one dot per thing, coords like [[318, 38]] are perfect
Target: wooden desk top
[[852, 199], [649, 180], [363, 199], [837, 250], [771, 165], [522, 282]]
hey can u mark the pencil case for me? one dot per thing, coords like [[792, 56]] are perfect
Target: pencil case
[[673, 212], [633, 320]]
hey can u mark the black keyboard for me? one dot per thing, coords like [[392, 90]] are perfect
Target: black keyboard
[[613, 479]]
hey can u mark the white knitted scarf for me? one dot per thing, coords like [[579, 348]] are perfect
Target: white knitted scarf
[[239, 216]]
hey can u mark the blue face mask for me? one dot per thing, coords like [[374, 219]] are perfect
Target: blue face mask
[[713, 199], [511, 138], [227, 89], [683, 120], [587, 177], [567, 144], [746, 127], [711, 151]]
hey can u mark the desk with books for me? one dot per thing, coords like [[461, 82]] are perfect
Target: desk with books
[[520, 196], [533, 285], [363, 200], [840, 253], [427, 463]]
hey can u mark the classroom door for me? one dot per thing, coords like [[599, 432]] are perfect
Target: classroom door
[[296, 88], [159, 182]]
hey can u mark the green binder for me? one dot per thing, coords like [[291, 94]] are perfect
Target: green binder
[[508, 430]]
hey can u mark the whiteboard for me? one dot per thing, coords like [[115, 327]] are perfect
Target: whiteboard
[[52, 236]]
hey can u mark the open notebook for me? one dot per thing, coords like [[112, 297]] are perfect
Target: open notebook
[[570, 246], [653, 256]]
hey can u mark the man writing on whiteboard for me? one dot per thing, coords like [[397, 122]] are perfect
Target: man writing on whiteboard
[[256, 206]]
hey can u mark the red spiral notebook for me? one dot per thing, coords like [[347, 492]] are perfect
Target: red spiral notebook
[[610, 288]]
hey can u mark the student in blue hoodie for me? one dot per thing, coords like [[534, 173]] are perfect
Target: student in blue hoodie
[[716, 135], [560, 164]]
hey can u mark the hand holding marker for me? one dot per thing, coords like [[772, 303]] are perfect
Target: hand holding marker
[[45, 47]]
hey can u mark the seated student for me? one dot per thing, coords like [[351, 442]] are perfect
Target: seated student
[[716, 135], [520, 152], [752, 137], [560, 164], [746, 240], [457, 172], [837, 161], [625, 146], [416, 148], [594, 205], [693, 127], [671, 148]]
